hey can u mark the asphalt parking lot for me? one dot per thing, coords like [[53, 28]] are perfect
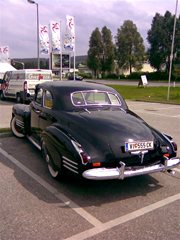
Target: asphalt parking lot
[[34, 206]]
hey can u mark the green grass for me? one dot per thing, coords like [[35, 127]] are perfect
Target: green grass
[[151, 94], [5, 130]]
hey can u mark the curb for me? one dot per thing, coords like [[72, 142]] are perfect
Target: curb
[[5, 132]]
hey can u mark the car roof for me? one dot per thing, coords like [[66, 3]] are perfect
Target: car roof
[[75, 86], [61, 91]]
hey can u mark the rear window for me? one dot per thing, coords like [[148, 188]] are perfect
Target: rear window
[[84, 98]]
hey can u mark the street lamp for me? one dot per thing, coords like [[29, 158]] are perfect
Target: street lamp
[[33, 2], [172, 49]]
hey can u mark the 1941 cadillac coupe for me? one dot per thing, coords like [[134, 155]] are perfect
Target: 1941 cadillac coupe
[[86, 129]]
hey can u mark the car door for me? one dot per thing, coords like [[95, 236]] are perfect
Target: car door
[[46, 117], [36, 109], [41, 113]]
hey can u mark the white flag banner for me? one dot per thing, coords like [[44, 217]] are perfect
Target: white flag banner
[[69, 41], [44, 39], [4, 53], [55, 37], [70, 25]]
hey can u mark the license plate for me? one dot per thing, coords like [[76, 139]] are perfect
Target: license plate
[[135, 146]]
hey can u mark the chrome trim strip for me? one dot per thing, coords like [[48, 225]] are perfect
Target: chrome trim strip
[[121, 173], [20, 123], [70, 168], [34, 142], [69, 164], [67, 159]]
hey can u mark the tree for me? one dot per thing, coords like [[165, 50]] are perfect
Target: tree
[[160, 40], [107, 62], [95, 51], [130, 49]]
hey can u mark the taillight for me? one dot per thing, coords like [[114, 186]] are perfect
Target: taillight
[[83, 155], [174, 146], [166, 155], [25, 86]]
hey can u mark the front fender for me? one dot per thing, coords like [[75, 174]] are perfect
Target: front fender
[[21, 110], [23, 114]]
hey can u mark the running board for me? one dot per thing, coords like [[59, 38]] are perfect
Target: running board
[[34, 142]]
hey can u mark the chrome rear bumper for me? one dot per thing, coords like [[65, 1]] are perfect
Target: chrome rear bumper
[[122, 172]]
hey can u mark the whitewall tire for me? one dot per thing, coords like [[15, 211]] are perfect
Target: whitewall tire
[[16, 129]]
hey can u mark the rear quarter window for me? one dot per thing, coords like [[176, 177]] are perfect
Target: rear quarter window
[[48, 99]]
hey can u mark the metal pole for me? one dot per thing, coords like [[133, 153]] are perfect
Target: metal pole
[[61, 54], [172, 49], [74, 63], [38, 35], [33, 2]]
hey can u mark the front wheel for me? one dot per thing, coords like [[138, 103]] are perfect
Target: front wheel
[[16, 128]]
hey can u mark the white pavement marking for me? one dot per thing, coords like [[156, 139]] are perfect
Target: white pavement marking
[[68, 202], [125, 218], [99, 227]]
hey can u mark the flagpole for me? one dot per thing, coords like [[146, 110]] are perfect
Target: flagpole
[[74, 51], [60, 54], [74, 62], [50, 47]]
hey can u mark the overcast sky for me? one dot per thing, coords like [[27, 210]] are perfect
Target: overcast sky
[[18, 20]]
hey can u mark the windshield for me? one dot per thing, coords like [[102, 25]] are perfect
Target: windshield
[[94, 98]]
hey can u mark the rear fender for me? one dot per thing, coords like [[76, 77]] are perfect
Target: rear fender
[[59, 144], [166, 140]]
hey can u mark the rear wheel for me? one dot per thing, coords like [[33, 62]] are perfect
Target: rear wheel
[[54, 172], [16, 128]]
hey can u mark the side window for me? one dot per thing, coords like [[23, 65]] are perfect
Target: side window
[[48, 100], [39, 96]]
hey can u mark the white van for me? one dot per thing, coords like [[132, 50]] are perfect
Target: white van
[[20, 84]]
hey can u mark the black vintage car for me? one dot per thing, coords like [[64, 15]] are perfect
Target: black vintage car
[[76, 77], [86, 129]]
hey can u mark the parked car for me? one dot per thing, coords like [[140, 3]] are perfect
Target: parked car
[[2, 85], [86, 129], [20, 84], [77, 77]]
